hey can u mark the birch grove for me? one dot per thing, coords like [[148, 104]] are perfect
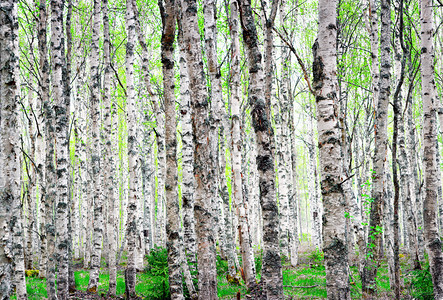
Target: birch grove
[[221, 149]]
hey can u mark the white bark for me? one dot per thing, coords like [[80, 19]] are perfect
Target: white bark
[[41, 139], [61, 106], [314, 197], [188, 184], [379, 158], [204, 164], [97, 236], [133, 161], [110, 191], [431, 169], [11, 260], [236, 157], [160, 134], [259, 100], [326, 90]]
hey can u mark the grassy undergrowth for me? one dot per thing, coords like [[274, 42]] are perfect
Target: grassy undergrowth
[[306, 281]]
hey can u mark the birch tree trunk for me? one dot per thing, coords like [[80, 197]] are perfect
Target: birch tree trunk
[[286, 184], [9, 156], [235, 86], [210, 11], [406, 181], [148, 190], [131, 116], [326, 89], [407, 195], [84, 167], [261, 122], [351, 199], [412, 150], [313, 187], [204, 165], [30, 226], [375, 224], [109, 167], [188, 184], [51, 194], [160, 131], [78, 197], [78, 179], [72, 208], [61, 106], [236, 155], [97, 236], [431, 169], [43, 100], [167, 11], [372, 25], [294, 196], [283, 161]]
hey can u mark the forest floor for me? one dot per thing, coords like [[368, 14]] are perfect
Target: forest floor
[[306, 281]]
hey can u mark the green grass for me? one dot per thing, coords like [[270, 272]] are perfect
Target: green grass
[[310, 273], [82, 280], [147, 286], [228, 290], [36, 288]]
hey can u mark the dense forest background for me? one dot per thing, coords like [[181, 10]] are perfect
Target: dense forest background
[[186, 149]]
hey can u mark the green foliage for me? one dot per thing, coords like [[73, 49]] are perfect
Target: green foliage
[[82, 281], [317, 256], [367, 199], [284, 260], [302, 276], [258, 260], [36, 288], [421, 284], [157, 282], [222, 266], [228, 290], [304, 237]]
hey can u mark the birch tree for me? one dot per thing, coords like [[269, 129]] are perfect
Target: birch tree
[[261, 122], [43, 89], [109, 172], [204, 165], [131, 116], [379, 158], [326, 90], [167, 11], [236, 149], [9, 156], [431, 169], [97, 235], [61, 105], [188, 183]]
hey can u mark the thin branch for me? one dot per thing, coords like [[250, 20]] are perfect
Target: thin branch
[[299, 60]]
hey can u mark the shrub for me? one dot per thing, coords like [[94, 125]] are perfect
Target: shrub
[[222, 266], [316, 256], [421, 284], [157, 269], [32, 273]]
